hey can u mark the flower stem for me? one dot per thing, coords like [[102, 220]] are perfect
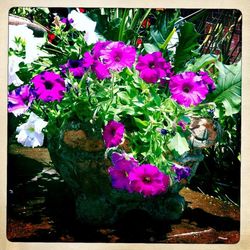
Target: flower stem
[[112, 94]]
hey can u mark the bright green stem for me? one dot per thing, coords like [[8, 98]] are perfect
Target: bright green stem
[[165, 44], [112, 94]]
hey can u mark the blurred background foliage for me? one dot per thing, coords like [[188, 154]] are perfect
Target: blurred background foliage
[[200, 31]]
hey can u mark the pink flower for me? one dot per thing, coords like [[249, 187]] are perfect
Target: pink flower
[[148, 180], [98, 48], [153, 67], [188, 89], [119, 172], [100, 70], [117, 56], [113, 133], [49, 86], [208, 81], [183, 125], [93, 61]]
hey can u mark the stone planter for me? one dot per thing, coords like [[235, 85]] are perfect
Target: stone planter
[[78, 155]]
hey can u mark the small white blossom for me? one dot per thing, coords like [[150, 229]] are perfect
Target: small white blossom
[[32, 44], [82, 22], [30, 133], [13, 68]]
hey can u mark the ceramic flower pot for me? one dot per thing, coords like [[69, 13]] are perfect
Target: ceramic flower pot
[[78, 155]]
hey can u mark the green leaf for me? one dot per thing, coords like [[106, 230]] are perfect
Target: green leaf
[[140, 123], [186, 119], [157, 36], [163, 30], [202, 62], [188, 42], [150, 48], [123, 96], [228, 88], [128, 110], [179, 144]]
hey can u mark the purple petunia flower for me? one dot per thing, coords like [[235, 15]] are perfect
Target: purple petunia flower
[[183, 125], [101, 70], [148, 180], [117, 56], [187, 89], [66, 20], [182, 172], [88, 60], [208, 81], [153, 67], [76, 67], [122, 165], [20, 99], [113, 133], [49, 86], [98, 48]]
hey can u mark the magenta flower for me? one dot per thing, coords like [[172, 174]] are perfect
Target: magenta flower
[[148, 180], [66, 21], [76, 67], [113, 133], [181, 172], [88, 60], [153, 67], [20, 99], [117, 56], [100, 70], [119, 173], [183, 125], [93, 61], [188, 89], [98, 48], [208, 81], [49, 86]]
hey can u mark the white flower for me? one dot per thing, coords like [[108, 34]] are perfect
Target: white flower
[[82, 22], [90, 37], [32, 43], [30, 133], [13, 68], [19, 31], [33, 51]]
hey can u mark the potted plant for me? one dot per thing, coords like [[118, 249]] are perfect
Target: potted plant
[[125, 119]]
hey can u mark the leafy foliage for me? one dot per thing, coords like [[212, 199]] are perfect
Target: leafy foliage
[[179, 144], [188, 42], [228, 89]]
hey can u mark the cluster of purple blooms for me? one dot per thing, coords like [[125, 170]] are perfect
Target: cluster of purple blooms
[[48, 87], [127, 174], [187, 89]]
